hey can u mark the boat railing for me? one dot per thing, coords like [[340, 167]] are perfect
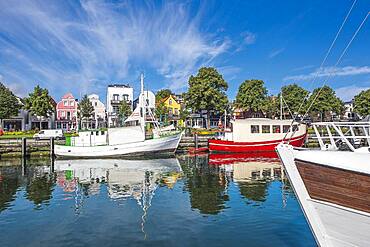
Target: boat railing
[[354, 136]]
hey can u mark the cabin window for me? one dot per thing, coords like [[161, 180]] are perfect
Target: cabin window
[[255, 129], [265, 128], [295, 128], [286, 128], [92, 133], [275, 128], [97, 133], [102, 132]]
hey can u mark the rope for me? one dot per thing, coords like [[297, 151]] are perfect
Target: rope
[[338, 61], [326, 55]]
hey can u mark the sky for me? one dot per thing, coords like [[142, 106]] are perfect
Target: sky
[[82, 46]]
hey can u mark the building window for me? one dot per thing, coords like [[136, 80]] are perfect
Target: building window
[[125, 97], [65, 102], [176, 112], [71, 103], [115, 97], [255, 129], [62, 113], [115, 109], [286, 128], [265, 128], [96, 104], [170, 102], [275, 128]]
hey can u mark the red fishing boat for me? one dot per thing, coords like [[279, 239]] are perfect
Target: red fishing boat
[[259, 135]]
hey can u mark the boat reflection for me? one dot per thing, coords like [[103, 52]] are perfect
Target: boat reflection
[[124, 178]]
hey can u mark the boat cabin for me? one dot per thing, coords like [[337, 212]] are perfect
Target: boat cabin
[[263, 129]]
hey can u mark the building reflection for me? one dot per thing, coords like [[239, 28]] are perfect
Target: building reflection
[[208, 178]]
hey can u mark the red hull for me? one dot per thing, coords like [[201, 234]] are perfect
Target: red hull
[[240, 147]]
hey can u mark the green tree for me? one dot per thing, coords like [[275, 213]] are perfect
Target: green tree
[[39, 103], [9, 103], [272, 107], [294, 97], [161, 112], [207, 91], [252, 96], [161, 94], [325, 103], [124, 111], [85, 109], [362, 103]]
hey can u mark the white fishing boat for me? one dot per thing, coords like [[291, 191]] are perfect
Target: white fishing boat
[[333, 184], [130, 140]]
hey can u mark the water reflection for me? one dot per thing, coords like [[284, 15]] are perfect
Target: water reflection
[[209, 176]]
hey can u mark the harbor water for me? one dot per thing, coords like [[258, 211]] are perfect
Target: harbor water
[[202, 200]]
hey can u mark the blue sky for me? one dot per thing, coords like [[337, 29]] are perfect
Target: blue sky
[[81, 46]]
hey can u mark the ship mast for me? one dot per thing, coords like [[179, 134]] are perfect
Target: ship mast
[[141, 101]]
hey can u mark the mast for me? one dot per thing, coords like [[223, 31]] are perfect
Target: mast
[[281, 106], [141, 101]]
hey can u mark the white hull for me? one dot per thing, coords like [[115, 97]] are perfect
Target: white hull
[[159, 145], [331, 224]]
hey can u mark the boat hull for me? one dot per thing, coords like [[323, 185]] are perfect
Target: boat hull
[[333, 191], [263, 146], [154, 146]]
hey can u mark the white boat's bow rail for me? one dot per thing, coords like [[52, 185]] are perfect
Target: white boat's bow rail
[[353, 136]]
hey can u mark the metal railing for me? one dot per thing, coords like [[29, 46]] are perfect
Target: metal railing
[[354, 136]]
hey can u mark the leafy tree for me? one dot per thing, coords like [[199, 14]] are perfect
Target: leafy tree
[[362, 103], [39, 103], [161, 94], [9, 103], [325, 102], [294, 96], [85, 108], [40, 188], [124, 110], [161, 112], [272, 107], [252, 96], [207, 91]]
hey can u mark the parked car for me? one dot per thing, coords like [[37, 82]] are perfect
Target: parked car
[[46, 134]]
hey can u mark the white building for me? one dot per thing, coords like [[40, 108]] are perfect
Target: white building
[[349, 114], [99, 111], [116, 93]]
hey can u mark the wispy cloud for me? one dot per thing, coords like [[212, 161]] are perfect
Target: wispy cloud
[[330, 71], [303, 67], [276, 52], [70, 45], [349, 92], [249, 37]]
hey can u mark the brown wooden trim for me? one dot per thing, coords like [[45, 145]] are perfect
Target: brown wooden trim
[[343, 187]]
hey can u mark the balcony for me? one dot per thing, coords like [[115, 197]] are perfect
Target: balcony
[[117, 102]]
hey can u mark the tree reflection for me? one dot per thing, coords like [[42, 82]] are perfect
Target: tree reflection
[[206, 185], [254, 190], [40, 187], [9, 183]]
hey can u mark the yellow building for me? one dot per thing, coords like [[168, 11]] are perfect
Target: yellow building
[[173, 108]]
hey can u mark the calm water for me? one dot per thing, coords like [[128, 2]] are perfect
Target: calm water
[[184, 201]]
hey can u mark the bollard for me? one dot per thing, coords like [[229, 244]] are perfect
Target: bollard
[[196, 140], [52, 147], [24, 147]]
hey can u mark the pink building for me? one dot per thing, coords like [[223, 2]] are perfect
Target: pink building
[[67, 113]]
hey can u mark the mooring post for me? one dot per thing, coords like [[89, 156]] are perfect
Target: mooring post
[[52, 147], [196, 140], [24, 147]]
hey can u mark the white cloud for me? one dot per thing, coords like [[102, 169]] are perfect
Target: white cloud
[[349, 92], [276, 52], [330, 71], [249, 38], [86, 45]]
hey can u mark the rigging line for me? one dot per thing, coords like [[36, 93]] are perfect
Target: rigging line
[[338, 61], [327, 55]]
